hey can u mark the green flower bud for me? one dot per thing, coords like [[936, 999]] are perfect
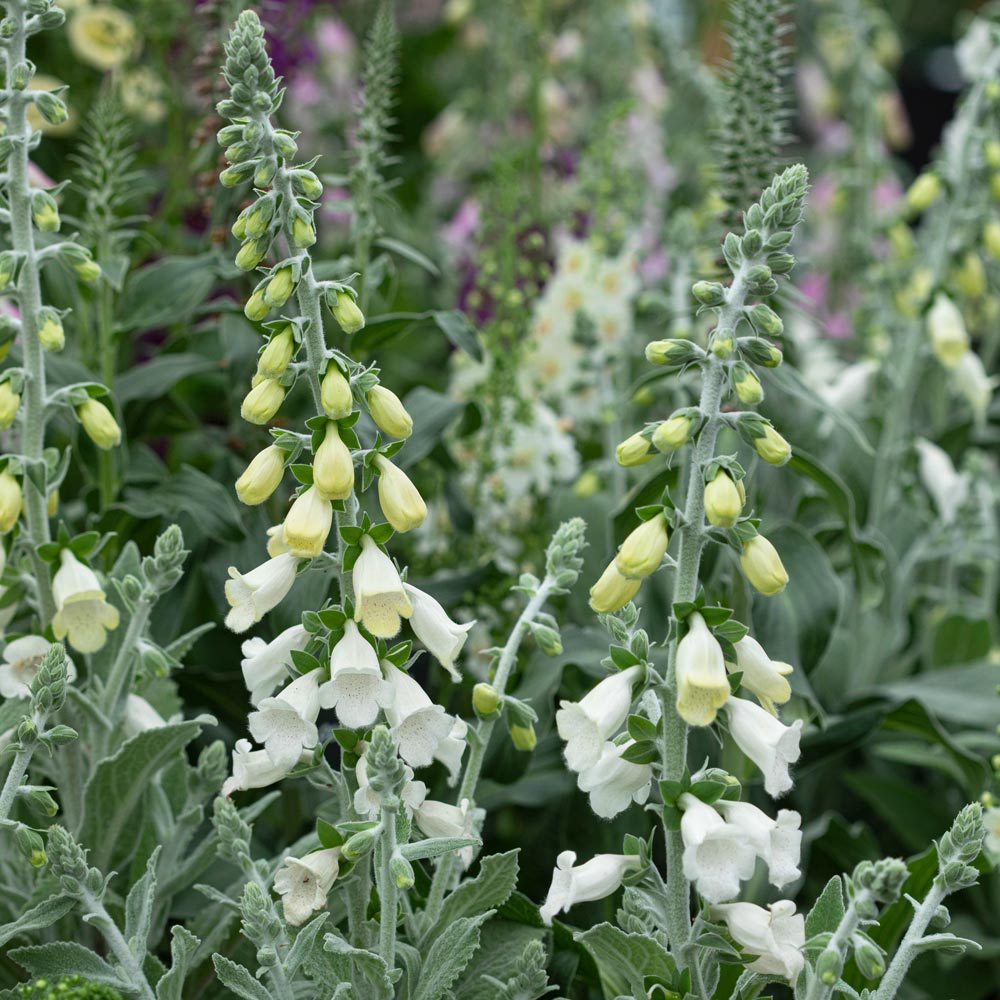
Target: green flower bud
[[359, 844], [674, 352], [709, 293], [635, 450], [45, 212], [523, 737], [829, 965], [762, 566], [251, 254], [262, 476], [99, 425], [723, 500], [256, 308], [88, 270], [548, 639], [869, 957], [278, 290], [389, 413], [335, 393], [722, 344], [306, 183], [746, 384], [278, 353], [346, 311], [765, 320], [402, 872], [485, 700], [51, 107], [263, 401], [303, 230], [10, 401], [40, 802], [675, 431], [50, 331], [31, 846]]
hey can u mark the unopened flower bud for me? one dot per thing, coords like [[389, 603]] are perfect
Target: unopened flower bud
[[722, 343], [303, 231], [923, 192], [279, 289], [262, 476], [10, 401], [50, 331], [675, 352], [746, 384], [333, 466], [51, 107], [87, 269], [263, 401], [709, 293], [643, 550], [99, 425], [402, 872], [256, 308], [359, 845], [674, 432], [389, 413], [31, 846], [52, 504], [346, 311], [635, 450], [765, 320], [45, 212], [771, 446], [612, 591], [335, 393], [251, 254], [723, 500], [485, 700], [7, 264], [523, 737], [11, 501], [991, 238], [277, 355], [40, 802], [970, 278], [401, 502], [762, 566], [307, 183], [829, 965], [869, 957], [548, 639], [946, 327]]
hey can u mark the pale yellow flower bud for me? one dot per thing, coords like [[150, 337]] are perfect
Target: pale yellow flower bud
[[635, 450], [347, 313], [923, 192], [277, 355], [389, 413], [51, 333], [262, 476], [333, 466], [9, 403], [762, 566], [303, 233], [100, 426], [308, 523], [612, 591], [52, 504], [672, 433], [251, 253], [946, 327], [523, 737], [401, 502], [88, 270], [772, 447], [747, 386], [335, 393], [723, 502], [256, 308], [643, 550], [991, 238], [263, 401], [970, 278], [279, 289], [11, 501]]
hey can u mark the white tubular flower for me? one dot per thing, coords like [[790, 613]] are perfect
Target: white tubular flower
[[366, 800], [307, 525], [21, 660], [251, 769], [140, 716], [380, 600], [438, 819], [418, 724], [949, 338], [771, 745], [286, 724], [82, 613], [702, 684], [276, 544], [595, 879], [264, 663], [777, 935], [613, 783], [717, 855], [764, 677], [946, 485], [969, 378], [303, 883], [356, 687], [450, 750], [777, 841], [443, 638], [251, 596], [587, 724]]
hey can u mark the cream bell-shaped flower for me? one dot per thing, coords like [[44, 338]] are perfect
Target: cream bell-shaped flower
[[717, 855], [286, 723], [21, 660], [262, 476], [140, 716], [418, 724], [770, 744], [723, 500], [439, 819], [594, 879], [762, 566], [443, 638], [333, 466], [587, 724], [949, 338], [702, 683], [778, 841], [356, 688], [367, 801], [304, 883], [765, 678], [776, 935], [276, 541], [948, 487], [400, 500], [252, 595], [252, 769], [82, 613], [307, 525], [643, 550], [11, 501], [970, 380], [264, 664], [613, 784], [612, 591], [380, 600]]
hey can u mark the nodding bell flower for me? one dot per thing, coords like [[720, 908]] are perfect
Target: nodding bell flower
[[389, 413], [586, 725], [277, 355], [265, 664], [762, 566], [765, 678], [356, 688], [380, 600], [82, 613], [286, 723], [280, 287], [250, 254], [635, 450], [595, 879], [99, 425], [776, 935], [253, 769], [45, 212], [303, 231], [643, 550], [304, 883], [400, 500], [21, 660], [418, 724], [346, 311], [256, 308], [335, 393], [451, 749], [771, 446], [948, 487], [11, 501], [308, 523], [970, 380], [717, 855], [949, 338], [443, 637], [613, 783], [612, 591], [702, 683], [439, 819], [777, 841], [263, 401], [140, 716], [262, 476], [770, 744], [10, 402], [673, 433], [50, 331], [724, 499], [367, 801], [276, 541], [333, 466], [252, 595]]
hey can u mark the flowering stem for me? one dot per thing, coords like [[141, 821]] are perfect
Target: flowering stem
[[120, 676], [19, 768], [29, 303], [387, 891], [119, 946], [907, 952], [837, 946]]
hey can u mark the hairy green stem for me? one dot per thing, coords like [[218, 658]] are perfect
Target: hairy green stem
[[119, 946], [819, 990], [388, 893], [907, 951], [120, 675], [18, 769]]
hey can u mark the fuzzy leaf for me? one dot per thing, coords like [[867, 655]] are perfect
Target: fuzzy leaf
[[448, 956], [828, 909], [65, 958], [45, 913], [488, 890], [625, 960], [183, 945], [239, 980]]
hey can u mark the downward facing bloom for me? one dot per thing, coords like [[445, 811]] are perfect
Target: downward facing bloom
[[717, 855], [82, 613], [443, 637], [778, 841], [613, 783], [400, 500], [356, 688], [252, 769], [949, 338], [304, 883], [595, 879], [252, 595], [764, 677], [586, 725], [643, 550], [286, 724], [770, 744], [418, 724], [775, 935], [265, 664], [439, 819], [613, 590], [307, 524], [380, 600], [702, 683]]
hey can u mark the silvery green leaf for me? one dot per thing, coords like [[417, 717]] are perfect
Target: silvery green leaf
[[183, 945], [624, 960], [139, 907], [828, 910], [339, 962], [239, 980], [47, 912], [950, 944], [434, 847], [448, 956], [306, 941], [66, 958], [488, 890]]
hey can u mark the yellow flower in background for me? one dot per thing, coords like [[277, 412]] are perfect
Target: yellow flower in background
[[102, 36], [142, 94], [42, 81]]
